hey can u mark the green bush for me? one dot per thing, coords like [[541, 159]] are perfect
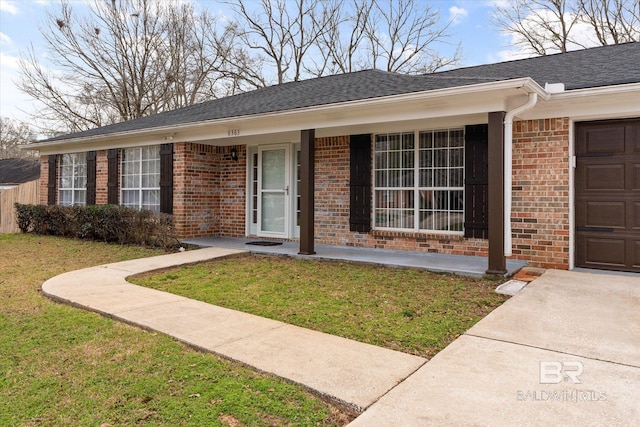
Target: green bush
[[106, 223]]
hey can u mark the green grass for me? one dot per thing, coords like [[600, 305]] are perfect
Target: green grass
[[408, 310], [63, 366]]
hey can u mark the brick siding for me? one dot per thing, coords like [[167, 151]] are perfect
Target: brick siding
[[540, 210], [332, 211], [101, 177], [44, 180], [208, 190], [210, 196]]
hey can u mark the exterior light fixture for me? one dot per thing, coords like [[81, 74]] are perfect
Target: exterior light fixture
[[234, 154]]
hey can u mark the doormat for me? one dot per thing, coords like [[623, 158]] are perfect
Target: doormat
[[264, 243]]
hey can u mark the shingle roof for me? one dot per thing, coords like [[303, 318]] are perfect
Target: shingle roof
[[601, 66], [18, 171]]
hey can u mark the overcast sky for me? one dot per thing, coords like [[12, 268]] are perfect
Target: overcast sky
[[20, 19]]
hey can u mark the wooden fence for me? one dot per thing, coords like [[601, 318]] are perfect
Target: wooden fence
[[27, 193]]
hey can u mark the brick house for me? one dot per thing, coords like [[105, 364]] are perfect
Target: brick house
[[432, 163]]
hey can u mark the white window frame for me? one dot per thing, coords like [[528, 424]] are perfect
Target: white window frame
[[77, 190], [405, 196], [132, 181]]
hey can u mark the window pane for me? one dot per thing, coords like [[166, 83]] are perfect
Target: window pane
[[273, 170], [456, 177], [381, 160], [65, 197], [440, 139], [440, 158], [426, 140], [393, 142], [456, 157], [440, 176], [140, 177], [407, 141], [80, 197], [440, 185], [151, 200]]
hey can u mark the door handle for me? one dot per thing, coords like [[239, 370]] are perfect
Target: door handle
[[286, 190]]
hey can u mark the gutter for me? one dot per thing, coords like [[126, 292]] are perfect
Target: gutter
[[508, 166], [274, 117]]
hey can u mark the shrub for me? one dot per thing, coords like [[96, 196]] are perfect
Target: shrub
[[107, 223]]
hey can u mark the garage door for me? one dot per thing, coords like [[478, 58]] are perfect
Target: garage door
[[608, 195]]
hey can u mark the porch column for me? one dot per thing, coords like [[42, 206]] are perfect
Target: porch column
[[307, 174], [497, 260]]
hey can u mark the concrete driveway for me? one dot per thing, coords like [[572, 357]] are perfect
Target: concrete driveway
[[563, 351]]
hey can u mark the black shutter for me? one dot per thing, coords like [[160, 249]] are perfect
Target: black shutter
[[360, 183], [51, 185], [91, 178], [166, 178], [476, 186], [112, 176]]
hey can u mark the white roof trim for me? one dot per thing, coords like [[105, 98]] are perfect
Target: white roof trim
[[527, 84]]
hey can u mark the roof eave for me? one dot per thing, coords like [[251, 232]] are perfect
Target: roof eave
[[527, 84]]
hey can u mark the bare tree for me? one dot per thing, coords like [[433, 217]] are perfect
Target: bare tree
[[304, 38], [127, 59], [13, 135], [612, 21], [542, 27], [401, 34], [340, 45], [282, 32]]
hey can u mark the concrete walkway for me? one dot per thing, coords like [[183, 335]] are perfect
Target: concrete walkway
[[349, 372], [521, 364], [563, 351]]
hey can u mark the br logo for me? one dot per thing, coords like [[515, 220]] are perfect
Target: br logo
[[556, 372]]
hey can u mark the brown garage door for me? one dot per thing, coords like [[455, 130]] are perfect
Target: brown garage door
[[608, 195]]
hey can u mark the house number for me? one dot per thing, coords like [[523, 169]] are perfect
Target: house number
[[233, 132]]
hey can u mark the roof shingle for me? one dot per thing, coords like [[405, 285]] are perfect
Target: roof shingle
[[601, 66], [18, 171]]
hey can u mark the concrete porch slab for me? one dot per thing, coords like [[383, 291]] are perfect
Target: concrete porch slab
[[441, 263]]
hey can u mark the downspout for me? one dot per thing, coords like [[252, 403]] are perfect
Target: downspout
[[508, 166]]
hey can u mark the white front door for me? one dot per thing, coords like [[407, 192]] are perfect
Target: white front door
[[274, 201]]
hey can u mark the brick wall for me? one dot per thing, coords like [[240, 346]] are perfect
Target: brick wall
[[195, 176], [332, 211], [332, 191], [231, 191], [540, 219], [101, 177], [208, 190], [44, 180], [210, 196]]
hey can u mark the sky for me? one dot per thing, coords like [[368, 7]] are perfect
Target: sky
[[20, 20]]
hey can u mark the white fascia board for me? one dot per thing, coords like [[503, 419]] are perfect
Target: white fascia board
[[590, 104], [303, 118]]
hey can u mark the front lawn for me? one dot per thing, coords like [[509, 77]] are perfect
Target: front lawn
[[407, 310], [63, 366]]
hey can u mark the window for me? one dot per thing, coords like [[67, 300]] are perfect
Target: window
[[141, 178], [73, 179], [419, 181]]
